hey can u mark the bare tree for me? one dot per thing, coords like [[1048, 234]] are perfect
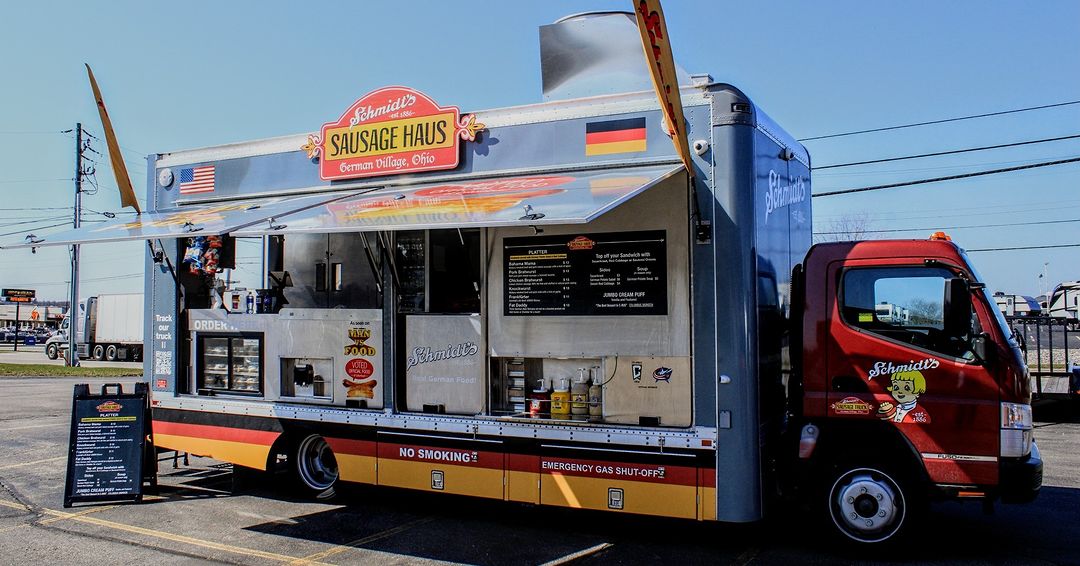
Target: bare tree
[[925, 312], [848, 227]]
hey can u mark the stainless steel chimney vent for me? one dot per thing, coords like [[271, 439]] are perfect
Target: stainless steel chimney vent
[[592, 54]]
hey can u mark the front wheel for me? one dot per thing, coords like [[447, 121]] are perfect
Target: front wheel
[[315, 466], [871, 504], [52, 351]]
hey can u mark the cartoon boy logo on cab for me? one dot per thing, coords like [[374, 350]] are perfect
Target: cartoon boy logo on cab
[[905, 386]]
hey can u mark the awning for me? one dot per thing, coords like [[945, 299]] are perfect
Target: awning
[[525, 200], [219, 218]]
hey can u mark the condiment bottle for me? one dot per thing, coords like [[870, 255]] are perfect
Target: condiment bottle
[[596, 393], [560, 400], [539, 399], [579, 394]]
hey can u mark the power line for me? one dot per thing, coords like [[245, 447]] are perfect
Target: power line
[[38, 228], [941, 121], [90, 280], [1024, 248], [33, 221], [949, 178], [956, 227], [953, 152], [42, 208], [1022, 206], [25, 132], [34, 181]]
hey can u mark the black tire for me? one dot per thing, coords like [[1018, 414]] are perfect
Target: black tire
[[872, 504], [315, 467], [110, 353], [99, 352], [52, 351]]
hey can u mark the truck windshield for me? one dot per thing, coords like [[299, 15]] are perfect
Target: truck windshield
[[989, 303]]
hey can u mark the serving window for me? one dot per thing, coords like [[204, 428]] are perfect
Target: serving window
[[442, 361]]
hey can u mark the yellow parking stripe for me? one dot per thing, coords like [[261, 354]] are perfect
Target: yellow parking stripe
[[362, 541], [164, 535], [34, 426], [79, 514], [578, 555], [45, 461]]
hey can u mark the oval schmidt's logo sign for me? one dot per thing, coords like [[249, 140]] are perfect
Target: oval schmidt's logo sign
[[389, 131], [581, 243], [108, 407]]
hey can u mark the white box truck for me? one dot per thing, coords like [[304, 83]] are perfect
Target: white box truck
[[110, 327]]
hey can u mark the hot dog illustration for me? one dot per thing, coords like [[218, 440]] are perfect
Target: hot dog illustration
[[360, 390]]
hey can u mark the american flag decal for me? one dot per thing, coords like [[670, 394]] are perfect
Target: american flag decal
[[197, 180]]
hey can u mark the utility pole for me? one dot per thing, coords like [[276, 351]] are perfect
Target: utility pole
[[73, 310]]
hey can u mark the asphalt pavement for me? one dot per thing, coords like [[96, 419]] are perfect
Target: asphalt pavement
[[204, 512]]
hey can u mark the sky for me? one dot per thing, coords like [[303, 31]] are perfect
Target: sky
[[196, 74]]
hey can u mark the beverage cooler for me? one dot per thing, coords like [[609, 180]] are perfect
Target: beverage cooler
[[230, 363]]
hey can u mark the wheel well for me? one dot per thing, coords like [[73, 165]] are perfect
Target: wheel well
[[865, 441], [284, 446]]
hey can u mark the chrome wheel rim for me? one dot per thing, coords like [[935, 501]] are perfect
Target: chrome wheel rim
[[867, 505], [316, 463]]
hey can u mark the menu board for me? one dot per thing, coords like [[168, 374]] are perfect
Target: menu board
[[615, 273], [106, 448]]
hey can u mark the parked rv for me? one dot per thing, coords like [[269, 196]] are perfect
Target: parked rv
[[1017, 305], [1064, 302]]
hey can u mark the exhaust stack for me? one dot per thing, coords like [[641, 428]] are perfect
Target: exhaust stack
[[593, 54]]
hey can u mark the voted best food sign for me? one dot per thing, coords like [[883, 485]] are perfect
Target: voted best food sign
[[390, 131]]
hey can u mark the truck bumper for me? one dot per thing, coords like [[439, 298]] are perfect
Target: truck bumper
[[1021, 478]]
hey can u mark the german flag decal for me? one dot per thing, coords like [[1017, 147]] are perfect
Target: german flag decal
[[615, 136]]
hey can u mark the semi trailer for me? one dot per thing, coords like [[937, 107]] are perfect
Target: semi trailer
[[109, 327]]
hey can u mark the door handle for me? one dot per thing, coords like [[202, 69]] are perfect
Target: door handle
[[320, 276], [849, 383]]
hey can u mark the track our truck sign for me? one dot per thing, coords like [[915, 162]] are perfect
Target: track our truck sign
[[390, 131]]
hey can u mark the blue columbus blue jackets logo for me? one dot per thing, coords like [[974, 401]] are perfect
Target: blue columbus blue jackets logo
[[662, 374]]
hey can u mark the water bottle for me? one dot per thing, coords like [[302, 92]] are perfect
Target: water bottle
[[250, 303]]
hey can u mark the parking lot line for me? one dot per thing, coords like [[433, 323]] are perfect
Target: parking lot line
[[362, 541], [165, 535], [79, 514], [21, 464], [33, 426], [579, 554]]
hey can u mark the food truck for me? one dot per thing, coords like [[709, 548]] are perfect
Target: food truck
[[541, 304]]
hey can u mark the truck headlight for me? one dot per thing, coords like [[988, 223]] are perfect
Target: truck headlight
[[1016, 430]]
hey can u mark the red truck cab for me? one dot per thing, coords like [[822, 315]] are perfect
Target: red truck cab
[[913, 387]]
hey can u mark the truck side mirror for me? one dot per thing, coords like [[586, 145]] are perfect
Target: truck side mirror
[[957, 308], [983, 348]]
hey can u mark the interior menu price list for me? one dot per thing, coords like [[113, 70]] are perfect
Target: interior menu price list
[[616, 273]]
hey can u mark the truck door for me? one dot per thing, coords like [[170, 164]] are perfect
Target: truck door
[[897, 366]]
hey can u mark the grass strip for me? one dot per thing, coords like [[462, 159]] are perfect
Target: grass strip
[[44, 370]]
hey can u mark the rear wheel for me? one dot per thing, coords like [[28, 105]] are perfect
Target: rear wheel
[[871, 504], [99, 352], [315, 466], [110, 353]]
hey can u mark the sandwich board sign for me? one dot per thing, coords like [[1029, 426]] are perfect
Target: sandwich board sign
[[109, 448]]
